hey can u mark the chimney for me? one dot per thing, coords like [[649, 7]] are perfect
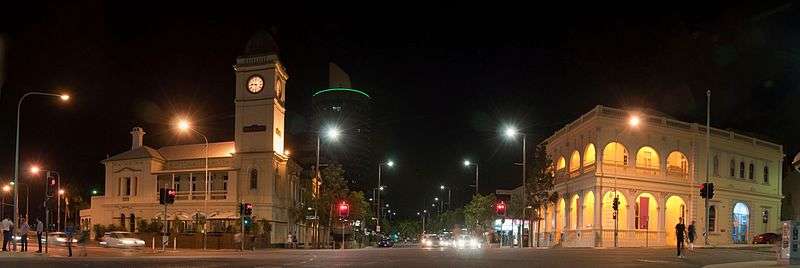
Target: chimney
[[138, 134]]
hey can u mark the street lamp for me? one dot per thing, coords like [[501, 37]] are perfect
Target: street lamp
[[511, 132], [185, 126], [467, 163], [64, 97], [633, 122], [6, 190], [442, 187], [389, 163], [27, 198]]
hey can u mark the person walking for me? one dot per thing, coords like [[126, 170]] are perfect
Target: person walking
[[289, 240], [5, 225], [24, 228], [39, 232], [692, 234], [680, 236]]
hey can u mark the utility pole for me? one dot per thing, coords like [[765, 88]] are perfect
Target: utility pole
[[708, 154]]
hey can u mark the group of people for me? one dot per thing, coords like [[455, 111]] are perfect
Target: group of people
[[683, 235], [7, 226], [291, 241]]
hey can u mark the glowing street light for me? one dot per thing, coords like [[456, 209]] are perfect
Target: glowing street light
[[63, 97], [634, 121], [388, 163], [511, 132], [467, 163], [184, 125], [6, 188], [60, 191], [35, 169]]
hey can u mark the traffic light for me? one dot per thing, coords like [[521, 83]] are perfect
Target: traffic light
[[615, 204], [248, 209], [166, 196], [247, 222], [52, 181], [344, 210], [704, 190], [500, 208], [710, 190]]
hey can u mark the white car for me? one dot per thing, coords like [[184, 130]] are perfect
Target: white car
[[121, 240], [466, 241]]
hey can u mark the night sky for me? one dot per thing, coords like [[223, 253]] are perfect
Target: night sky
[[443, 81]]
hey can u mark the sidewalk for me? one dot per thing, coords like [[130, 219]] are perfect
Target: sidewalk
[[734, 246], [748, 264]]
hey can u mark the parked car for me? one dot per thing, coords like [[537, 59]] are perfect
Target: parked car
[[385, 243], [766, 238], [120, 240]]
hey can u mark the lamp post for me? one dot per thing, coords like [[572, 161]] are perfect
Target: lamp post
[[36, 170], [184, 126], [6, 190], [512, 132], [27, 199], [449, 205], [389, 163], [467, 163], [331, 133], [633, 122], [63, 97]]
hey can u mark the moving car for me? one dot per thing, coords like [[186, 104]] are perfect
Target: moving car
[[120, 240], [467, 242], [766, 238], [433, 241], [385, 243]]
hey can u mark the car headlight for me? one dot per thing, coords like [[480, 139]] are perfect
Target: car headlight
[[428, 243]]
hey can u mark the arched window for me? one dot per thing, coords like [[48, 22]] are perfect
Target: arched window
[[575, 161], [716, 165], [712, 218], [122, 220], [561, 164], [615, 154], [589, 155], [253, 179], [133, 223], [733, 168], [752, 169], [766, 174], [647, 157], [677, 163], [741, 170]]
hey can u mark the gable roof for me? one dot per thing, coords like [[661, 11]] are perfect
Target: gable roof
[[138, 153]]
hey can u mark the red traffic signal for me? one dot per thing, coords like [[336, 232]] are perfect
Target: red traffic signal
[[344, 210], [248, 209], [500, 208]]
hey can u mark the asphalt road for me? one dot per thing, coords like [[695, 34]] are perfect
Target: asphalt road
[[397, 257]]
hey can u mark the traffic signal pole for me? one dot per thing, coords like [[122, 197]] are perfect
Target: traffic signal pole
[[708, 154]]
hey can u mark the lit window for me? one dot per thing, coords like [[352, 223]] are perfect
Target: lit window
[[336, 108], [615, 154], [561, 163], [575, 161], [647, 157]]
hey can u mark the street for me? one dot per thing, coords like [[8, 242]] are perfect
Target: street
[[392, 257]]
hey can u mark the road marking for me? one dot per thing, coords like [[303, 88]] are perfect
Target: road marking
[[655, 261]]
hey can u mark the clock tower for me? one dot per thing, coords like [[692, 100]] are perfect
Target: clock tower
[[260, 83]]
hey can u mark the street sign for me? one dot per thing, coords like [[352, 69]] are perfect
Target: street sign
[[312, 218]]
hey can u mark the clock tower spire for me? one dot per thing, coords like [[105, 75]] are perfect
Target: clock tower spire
[[260, 83]]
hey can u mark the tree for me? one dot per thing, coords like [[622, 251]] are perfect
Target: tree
[[787, 209], [478, 214], [408, 228], [540, 185]]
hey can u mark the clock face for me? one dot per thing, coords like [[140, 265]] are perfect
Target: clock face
[[255, 84]]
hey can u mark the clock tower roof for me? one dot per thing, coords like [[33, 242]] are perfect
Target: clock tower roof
[[261, 43]]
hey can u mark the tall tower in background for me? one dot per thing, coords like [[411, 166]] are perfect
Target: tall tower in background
[[349, 109]]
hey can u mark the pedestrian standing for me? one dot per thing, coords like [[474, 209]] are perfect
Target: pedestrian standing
[[680, 235], [24, 228], [294, 241], [83, 237], [39, 231], [69, 230], [289, 240], [5, 225], [692, 233]]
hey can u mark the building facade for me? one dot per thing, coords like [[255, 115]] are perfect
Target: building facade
[[655, 170], [253, 168]]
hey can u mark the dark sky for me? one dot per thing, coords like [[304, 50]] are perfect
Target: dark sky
[[443, 80]]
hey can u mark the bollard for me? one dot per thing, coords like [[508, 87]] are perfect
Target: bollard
[[175, 244], [154, 244]]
